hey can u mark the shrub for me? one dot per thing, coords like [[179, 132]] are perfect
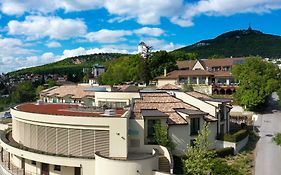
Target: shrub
[[277, 139], [221, 167], [235, 137], [224, 152]]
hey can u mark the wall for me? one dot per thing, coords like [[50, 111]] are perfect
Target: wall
[[205, 89], [127, 167], [88, 165], [180, 135], [162, 82], [202, 105], [116, 96], [117, 127], [237, 146]]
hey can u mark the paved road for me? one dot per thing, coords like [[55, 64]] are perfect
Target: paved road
[[268, 154]]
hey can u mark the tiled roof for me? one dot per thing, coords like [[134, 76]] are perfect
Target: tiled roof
[[62, 109], [169, 87], [75, 91], [163, 102], [209, 62], [185, 73]]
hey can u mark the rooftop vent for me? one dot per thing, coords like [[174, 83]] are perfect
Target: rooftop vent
[[110, 112]]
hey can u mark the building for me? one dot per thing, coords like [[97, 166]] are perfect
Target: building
[[143, 50], [58, 136], [206, 76]]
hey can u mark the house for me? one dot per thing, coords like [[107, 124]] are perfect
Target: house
[[59, 135], [206, 76]]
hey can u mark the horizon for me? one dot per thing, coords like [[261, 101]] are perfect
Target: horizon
[[82, 28]]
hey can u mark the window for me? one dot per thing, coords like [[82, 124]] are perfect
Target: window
[[194, 126], [57, 168], [33, 162]]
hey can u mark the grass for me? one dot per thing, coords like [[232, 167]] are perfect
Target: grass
[[244, 161], [277, 138]]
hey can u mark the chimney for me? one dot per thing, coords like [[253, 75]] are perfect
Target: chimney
[[165, 72]]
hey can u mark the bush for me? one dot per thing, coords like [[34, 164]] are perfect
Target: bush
[[236, 137], [221, 167], [277, 139], [224, 152]]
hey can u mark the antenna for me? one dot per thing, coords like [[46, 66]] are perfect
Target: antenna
[[250, 26]]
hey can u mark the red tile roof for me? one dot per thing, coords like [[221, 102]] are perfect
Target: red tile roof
[[169, 87], [185, 73], [208, 62], [61, 109], [163, 102]]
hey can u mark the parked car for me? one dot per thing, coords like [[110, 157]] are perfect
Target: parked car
[[7, 115]]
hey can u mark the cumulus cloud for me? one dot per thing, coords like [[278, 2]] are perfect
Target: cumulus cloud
[[145, 12], [34, 27], [159, 44], [113, 36], [53, 44], [19, 7], [83, 51], [10, 47], [108, 36], [149, 31]]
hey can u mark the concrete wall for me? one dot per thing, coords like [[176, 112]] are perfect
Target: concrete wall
[[88, 165], [237, 146], [205, 89], [117, 127], [202, 105], [162, 82], [116, 97], [127, 167]]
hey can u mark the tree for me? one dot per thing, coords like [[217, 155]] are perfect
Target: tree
[[161, 136], [258, 79], [186, 87], [39, 89], [199, 158], [24, 92], [51, 82]]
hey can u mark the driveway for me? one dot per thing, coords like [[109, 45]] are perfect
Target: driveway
[[268, 154]]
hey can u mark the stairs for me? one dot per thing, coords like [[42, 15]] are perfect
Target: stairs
[[164, 165]]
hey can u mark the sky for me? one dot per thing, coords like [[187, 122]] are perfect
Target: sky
[[36, 32]]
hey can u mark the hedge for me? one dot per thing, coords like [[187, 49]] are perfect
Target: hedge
[[236, 137], [228, 151]]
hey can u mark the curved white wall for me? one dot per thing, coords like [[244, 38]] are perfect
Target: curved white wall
[[126, 167], [117, 127]]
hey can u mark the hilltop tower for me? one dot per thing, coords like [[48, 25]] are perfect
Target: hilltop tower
[[143, 50]]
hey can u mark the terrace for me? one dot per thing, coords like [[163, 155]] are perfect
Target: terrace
[[69, 110]]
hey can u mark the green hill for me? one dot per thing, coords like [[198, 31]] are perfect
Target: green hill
[[238, 43], [69, 65]]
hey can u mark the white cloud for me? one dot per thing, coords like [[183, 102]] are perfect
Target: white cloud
[[179, 12], [149, 31], [159, 44], [53, 44], [10, 47], [113, 36], [34, 27], [18, 7], [83, 51], [108, 36], [145, 11]]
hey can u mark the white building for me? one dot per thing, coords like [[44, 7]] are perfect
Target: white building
[[59, 137]]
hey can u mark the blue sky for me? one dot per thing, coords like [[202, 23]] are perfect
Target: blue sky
[[34, 32]]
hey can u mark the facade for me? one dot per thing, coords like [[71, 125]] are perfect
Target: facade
[[206, 76], [115, 130]]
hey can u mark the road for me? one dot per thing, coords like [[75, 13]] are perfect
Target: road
[[268, 154]]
